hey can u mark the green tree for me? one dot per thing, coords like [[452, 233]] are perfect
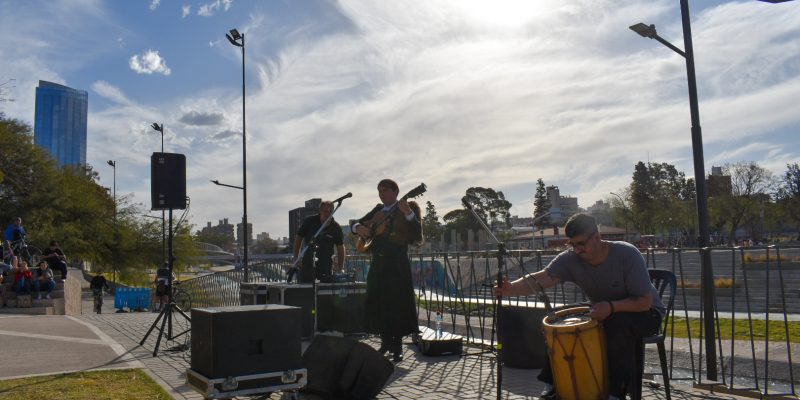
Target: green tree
[[490, 205], [751, 186], [431, 227], [788, 194], [541, 204]]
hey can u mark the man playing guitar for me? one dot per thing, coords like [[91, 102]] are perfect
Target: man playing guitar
[[390, 227]]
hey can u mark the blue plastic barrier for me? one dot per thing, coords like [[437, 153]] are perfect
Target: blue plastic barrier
[[132, 298]]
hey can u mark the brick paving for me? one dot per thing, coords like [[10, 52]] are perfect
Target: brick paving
[[416, 377]]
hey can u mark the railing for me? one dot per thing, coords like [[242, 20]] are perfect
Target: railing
[[757, 304]]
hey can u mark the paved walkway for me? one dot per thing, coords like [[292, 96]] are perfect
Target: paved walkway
[[53, 344]]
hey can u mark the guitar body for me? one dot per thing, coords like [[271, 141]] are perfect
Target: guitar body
[[377, 224]]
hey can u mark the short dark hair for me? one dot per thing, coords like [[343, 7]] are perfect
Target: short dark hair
[[579, 224], [53, 243], [389, 184]]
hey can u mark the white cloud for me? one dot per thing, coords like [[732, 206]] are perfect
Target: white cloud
[[154, 5], [209, 9], [149, 62], [185, 10], [110, 92]]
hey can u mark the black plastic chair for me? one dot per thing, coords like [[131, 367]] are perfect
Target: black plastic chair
[[666, 284]]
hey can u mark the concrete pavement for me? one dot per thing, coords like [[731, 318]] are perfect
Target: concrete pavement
[[55, 344]]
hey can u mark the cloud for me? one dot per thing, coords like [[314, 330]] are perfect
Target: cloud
[[149, 62], [209, 9], [110, 92], [201, 118], [185, 10], [154, 5], [226, 134]]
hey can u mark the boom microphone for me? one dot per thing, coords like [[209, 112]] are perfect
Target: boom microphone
[[347, 196]]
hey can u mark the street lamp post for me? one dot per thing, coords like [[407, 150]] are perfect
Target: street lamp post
[[113, 165], [160, 129], [624, 212], [707, 275], [237, 39]]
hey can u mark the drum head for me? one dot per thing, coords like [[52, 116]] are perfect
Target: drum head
[[569, 320]]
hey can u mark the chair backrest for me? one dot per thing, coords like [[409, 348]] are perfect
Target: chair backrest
[[666, 285]]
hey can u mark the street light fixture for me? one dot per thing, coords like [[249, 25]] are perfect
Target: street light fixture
[[160, 128], [237, 39], [113, 165]]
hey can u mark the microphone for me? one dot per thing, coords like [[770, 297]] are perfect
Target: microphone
[[347, 196]]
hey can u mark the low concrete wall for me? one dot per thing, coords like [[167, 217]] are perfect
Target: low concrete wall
[[72, 296]]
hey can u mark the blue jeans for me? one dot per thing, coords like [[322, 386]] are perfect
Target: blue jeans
[[22, 286], [38, 285]]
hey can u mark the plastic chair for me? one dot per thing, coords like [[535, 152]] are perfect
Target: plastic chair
[[664, 281]]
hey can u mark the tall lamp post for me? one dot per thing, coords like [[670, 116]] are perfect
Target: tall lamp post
[[707, 275], [624, 212], [237, 39], [160, 129], [113, 165]]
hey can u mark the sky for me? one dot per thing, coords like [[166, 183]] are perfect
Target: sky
[[455, 94]]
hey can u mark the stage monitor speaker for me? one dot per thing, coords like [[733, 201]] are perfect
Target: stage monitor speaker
[[168, 181], [344, 368], [523, 339], [245, 340]]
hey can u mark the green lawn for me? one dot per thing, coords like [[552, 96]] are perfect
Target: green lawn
[[106, 385], [777, 330]]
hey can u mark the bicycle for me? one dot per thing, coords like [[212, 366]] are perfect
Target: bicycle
[[181, 297], [31, 254]]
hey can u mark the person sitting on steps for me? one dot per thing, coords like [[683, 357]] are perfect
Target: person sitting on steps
[[43, 280]]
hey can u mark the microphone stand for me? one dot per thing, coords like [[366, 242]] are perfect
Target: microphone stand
[[501, 256], [294, 268]]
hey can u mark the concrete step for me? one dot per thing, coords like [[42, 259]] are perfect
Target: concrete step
[[28, 310], [56, 294], [59, 285]]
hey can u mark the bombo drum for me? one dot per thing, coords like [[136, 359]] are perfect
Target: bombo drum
[[576, 346]]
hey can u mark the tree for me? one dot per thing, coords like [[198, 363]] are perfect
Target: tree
[[751, 186], [431, 227], [490, 205], [541, 204], [660, 197], [788, 194]]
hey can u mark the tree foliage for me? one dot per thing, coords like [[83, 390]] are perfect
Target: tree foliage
[[541, 204], [658, 195], [68, 205], [431, 227], [789, 194], [490, 205], [751, 188]]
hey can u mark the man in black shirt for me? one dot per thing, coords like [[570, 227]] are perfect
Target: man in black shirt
[[56, 259], [322, 249]]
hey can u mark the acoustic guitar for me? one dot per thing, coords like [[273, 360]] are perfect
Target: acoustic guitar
[[377, 224]]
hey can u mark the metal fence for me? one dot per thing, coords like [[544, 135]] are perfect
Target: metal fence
[[757, 304]]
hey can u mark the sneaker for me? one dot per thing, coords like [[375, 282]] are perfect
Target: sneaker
[[549, 392], [47, 296]]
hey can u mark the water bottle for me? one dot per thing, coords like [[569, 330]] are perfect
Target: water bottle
[[439, 320]]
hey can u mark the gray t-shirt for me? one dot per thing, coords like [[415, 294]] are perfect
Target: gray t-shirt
[[623, 274]]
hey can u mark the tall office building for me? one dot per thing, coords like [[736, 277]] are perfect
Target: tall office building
[[60, 122]]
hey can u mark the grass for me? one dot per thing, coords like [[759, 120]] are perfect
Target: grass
[[719, 283], [106, 385], [777, 332], [763, 257]]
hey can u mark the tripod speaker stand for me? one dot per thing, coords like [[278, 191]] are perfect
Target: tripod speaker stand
[[167, 192], [165, 316]]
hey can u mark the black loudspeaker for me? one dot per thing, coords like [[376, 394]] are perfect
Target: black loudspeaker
[[245, 340], [523, 339], [344, 368], [168, 181]]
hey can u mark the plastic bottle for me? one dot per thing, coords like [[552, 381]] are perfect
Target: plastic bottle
[[439, 320]]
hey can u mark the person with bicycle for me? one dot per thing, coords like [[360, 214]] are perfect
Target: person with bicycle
[[15, 234], [163, 286], [56, 259], [97, 284]]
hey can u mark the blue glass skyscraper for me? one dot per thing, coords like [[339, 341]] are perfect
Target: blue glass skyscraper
[[60, 122]]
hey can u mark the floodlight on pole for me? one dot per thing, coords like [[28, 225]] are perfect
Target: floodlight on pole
[[160, 129], [237, 39]]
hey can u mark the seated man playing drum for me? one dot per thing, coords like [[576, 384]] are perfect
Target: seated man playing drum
[[614, 276]]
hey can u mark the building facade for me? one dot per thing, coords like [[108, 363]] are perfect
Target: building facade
[[60, 122], [297, 216]]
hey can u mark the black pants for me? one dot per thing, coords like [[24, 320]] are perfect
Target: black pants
[[623, 331], [393, 344], [59, 265]]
